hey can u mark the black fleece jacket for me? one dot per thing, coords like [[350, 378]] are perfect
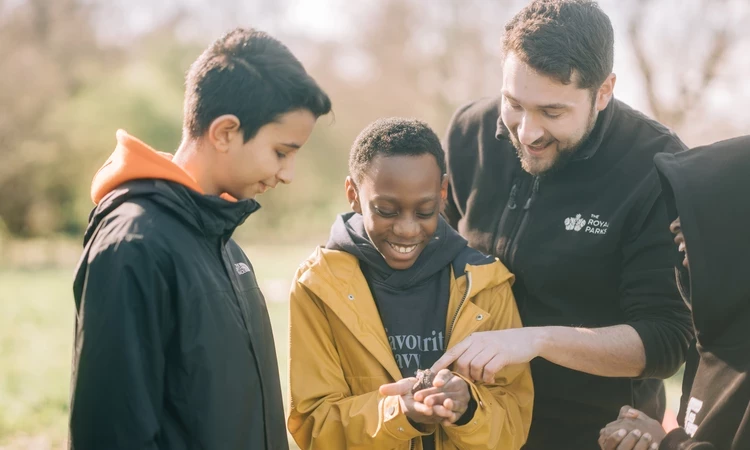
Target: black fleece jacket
[[588, 247]]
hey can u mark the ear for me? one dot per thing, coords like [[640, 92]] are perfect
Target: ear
[[223, 131], [604, 94], [352, 195], [443, 192]]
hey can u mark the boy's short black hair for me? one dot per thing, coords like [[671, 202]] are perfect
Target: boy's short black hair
[[251, 75], [394, 136], [563, 38]]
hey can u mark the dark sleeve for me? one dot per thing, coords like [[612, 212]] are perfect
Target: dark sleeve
[[118, 374], [649, 296], [451, 213], [677, 439], [453, 142]]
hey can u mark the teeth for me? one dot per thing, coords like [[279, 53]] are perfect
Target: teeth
[[402, 249]]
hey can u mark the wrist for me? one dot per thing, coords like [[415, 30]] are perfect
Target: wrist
[[541, 340]]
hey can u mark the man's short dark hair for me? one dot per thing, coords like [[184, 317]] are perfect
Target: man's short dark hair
[[393, 137], [253, 76], [563, 38]]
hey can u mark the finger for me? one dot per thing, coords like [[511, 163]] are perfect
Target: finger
[[435, 399], [442, 411], [442, 378], [636, 414], [491, 369], [629, 441], [455, 405], [477, 364], [451, 355], [613, 440], [422, 395], [401, 387], [463, 364], [421, 408], [644, 443], [623, 411]]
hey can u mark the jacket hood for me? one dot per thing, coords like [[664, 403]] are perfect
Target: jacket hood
[[348, 234], [706, 187], [135, 170]]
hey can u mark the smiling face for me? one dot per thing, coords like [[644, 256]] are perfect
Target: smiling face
[[548, 120], [400, 199], [246, 169], [679, 239]]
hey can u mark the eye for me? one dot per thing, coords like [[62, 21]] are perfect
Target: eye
[[280, 155], [513, 105], [426, 215], [384, 212], [551, 115]]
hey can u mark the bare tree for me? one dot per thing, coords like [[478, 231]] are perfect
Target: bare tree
[[679, 70]]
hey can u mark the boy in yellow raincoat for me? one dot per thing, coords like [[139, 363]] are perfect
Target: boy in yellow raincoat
[[392, 290]]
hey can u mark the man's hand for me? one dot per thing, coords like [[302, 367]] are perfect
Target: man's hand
[[416, 411], [482, 355], [632, 430], [449, 397]]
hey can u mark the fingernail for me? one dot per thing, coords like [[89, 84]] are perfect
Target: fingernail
[[654, 446], [647, 436], [637, 433], [621, 433]]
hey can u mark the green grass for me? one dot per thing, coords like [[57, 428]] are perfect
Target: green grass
[[36, 334]]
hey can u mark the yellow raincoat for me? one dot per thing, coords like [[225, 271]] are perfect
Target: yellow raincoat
[[340, 356]]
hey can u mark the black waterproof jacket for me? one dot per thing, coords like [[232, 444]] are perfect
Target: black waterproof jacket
[[173, 345]]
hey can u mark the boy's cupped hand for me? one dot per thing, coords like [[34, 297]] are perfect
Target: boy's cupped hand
[[443, 403]]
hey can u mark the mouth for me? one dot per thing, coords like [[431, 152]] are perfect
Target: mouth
[[536, 150], [403, 249], [264, 187]]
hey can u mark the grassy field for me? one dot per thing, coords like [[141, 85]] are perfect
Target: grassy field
[[36, 331]]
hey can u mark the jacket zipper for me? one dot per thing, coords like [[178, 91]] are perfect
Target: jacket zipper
[[510, 206], [226, 262], [511, 247], [458, 310]]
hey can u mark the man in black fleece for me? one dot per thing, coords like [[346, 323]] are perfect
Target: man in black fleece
[[556, 178], [705, 190]]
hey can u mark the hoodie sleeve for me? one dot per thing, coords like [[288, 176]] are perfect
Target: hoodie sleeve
[[117, 385], [324, 413], [460, 148], [649, 295], [677, 439], [503, 414]]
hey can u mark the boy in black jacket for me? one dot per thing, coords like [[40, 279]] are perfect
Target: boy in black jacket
[[173, 345], [706, 190]]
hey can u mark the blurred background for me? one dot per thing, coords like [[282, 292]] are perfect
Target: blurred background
[[74, 71]]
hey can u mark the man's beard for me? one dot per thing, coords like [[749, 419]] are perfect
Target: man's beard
[[562, 156]]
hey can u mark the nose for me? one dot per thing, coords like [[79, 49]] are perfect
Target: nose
[[406, 228], [528, 130], [286, 174]]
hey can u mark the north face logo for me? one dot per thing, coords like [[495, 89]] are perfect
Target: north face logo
[[594, 225], [574, 223], [241, 268]]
